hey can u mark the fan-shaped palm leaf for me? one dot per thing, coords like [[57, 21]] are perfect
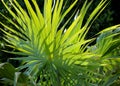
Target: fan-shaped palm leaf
[[52, 56]]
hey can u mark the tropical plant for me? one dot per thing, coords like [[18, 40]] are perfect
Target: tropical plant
[[9, 76], [107, 49], [53, 54]]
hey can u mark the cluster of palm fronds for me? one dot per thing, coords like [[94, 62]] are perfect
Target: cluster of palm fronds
[[58, 57]]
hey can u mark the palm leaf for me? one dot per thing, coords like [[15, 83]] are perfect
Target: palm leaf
[[58, 57]]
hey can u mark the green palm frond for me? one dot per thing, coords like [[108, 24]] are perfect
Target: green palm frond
[[57, 57], [107, 44]]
